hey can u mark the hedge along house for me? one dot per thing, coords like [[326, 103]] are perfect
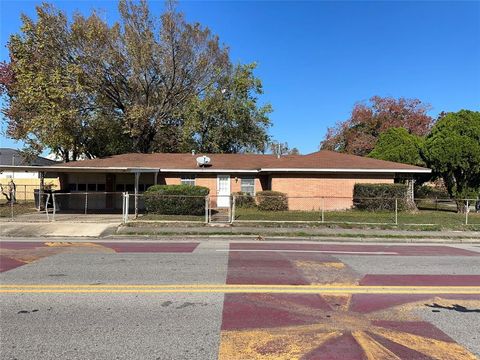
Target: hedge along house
[[304, 178]]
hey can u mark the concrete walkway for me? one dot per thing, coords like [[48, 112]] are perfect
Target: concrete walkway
[[57, 229]]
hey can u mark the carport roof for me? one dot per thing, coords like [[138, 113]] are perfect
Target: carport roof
[[321, 161]]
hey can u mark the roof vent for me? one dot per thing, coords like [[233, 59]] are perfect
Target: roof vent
[[203, 161]]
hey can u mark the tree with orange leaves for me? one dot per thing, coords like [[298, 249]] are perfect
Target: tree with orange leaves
[[359, 134]]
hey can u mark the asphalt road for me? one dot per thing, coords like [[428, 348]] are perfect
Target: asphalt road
[[238, 300]]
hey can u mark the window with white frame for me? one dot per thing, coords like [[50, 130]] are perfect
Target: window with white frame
[[187, 180], [248, 185]]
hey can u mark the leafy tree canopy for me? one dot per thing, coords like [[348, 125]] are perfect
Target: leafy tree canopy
[[397, 144], [452, 150], [143, 84], [359, 134]]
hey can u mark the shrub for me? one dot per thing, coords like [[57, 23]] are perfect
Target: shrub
[[175, 199], [272, 201], [431, 192], [244, 200], [377, 197]]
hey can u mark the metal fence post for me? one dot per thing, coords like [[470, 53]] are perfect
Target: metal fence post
[[323, 209], [206, 209], [396, 211], [46, 206], [127, 206], [232, 215], [54, 206], [466, 212], [11, 206]]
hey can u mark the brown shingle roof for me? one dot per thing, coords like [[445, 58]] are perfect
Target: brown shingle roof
[[321, 160]]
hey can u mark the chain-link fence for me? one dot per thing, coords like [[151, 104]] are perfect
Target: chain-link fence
[[58, 206], [282, 209], [238, 209]]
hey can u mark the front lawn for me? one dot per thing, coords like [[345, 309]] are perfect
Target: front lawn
[[159, 217], [444, 218]]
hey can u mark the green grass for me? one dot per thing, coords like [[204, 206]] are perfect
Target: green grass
[[158, 217], [18, 209], [329, 216], [444, 219]]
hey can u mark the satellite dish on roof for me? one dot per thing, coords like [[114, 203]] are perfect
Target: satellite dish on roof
[[203, 161]]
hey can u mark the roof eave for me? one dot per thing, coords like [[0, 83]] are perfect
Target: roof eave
[[346, 170]]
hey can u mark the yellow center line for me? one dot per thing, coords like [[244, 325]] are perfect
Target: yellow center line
[[231, 288], [312, 286]]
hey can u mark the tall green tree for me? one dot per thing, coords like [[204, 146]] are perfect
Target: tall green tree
[[398, 145], [452, 150], [226, 118]]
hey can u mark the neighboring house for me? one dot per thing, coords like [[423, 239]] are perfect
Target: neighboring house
[[320, 174], [25, 181]]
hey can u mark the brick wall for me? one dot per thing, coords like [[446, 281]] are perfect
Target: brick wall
[[305, 191]]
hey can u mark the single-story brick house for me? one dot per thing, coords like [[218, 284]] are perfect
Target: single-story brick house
[[320, 174]]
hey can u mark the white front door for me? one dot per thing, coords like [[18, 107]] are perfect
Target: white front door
[[223, 190]]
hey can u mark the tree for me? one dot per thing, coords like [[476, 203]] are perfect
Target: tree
[[397, 144], [87, 87], [6, 77], [452, 150], [226, 118], [359, 134], [278, 149]]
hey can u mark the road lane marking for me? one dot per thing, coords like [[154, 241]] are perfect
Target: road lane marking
[[314, 251], [244, 288]]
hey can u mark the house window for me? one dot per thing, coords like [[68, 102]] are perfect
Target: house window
[[248, 185], [73, 187], [188, 180]]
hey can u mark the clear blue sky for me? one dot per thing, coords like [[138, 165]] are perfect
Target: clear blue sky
[[316, 59]]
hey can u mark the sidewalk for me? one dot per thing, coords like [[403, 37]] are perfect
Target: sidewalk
[[60, 229]]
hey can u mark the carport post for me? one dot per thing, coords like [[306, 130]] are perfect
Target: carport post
[[155, 178], [137, 178]]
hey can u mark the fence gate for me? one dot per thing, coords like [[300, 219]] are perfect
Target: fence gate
[[219, 209]]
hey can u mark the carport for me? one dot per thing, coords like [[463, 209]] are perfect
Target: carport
[[63, 172]]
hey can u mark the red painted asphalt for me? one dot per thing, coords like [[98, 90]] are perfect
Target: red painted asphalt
[[263, 311], [421, 328], [7, 263], [20, 245], [247, 311], [344, 347], [404, 250], [420, 280], [151, 247], [262, 268], [401, 351]]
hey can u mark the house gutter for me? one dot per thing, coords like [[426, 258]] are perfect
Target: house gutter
[[116, 169]]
